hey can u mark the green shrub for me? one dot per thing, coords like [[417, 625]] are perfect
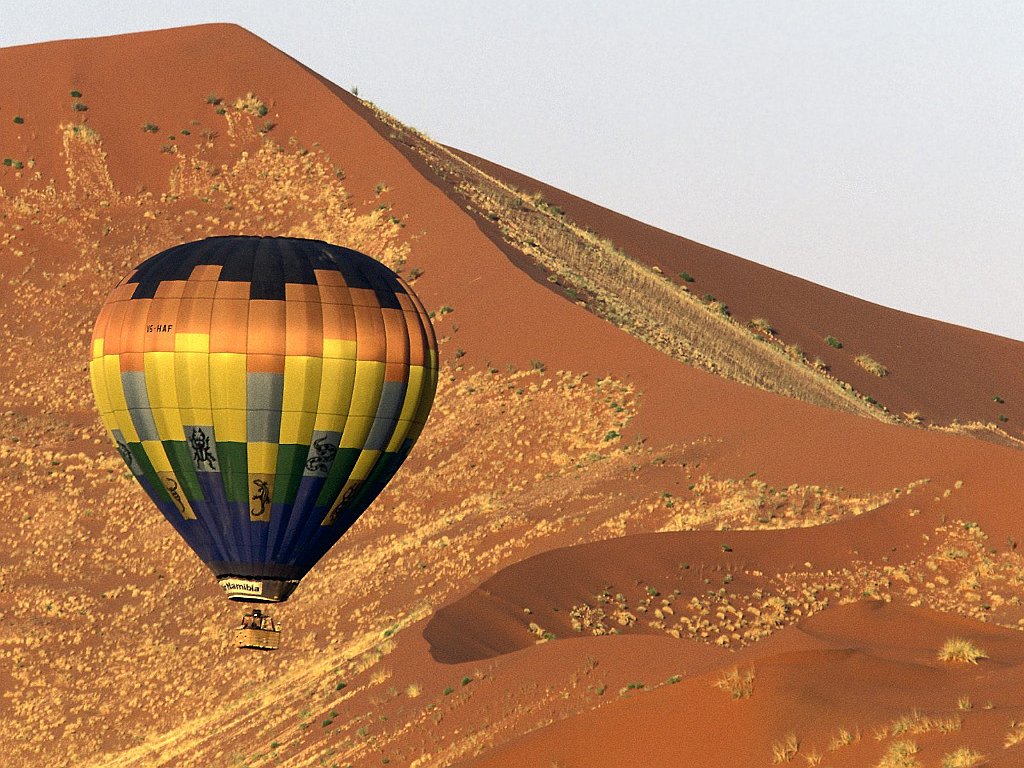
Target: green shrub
[[76, 94], [833, 342], [18, 119], [686, 277], [150, 128]]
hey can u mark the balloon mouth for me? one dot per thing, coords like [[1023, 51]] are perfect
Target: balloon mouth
[[248, 590]]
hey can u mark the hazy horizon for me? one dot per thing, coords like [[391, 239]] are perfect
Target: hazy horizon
[[873, 148]]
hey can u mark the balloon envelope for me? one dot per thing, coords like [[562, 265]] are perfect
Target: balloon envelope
[[263, 391]]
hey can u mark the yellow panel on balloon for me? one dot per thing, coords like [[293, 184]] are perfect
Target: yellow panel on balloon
[[369, 383], [336, 385], [192, 342], [160, 385], [302, 376], [112, 375], [262, 458], [229, 425], [99, 386], [297, 427], [168, 423], [227, 380], [192, 378]]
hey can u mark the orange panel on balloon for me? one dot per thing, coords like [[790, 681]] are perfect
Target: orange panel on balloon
[[371, 340], [228, 325]]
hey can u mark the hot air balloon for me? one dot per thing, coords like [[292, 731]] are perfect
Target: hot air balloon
[[263, 391]]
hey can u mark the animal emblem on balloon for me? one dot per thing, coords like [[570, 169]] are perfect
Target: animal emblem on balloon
[[263, 391]]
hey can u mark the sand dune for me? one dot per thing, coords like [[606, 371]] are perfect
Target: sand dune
[[589, 536]]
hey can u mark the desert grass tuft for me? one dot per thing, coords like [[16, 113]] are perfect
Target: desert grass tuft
[[739, 685], [844, 738], [1015, 735], [959, 649], [785, 750], [900, 755], [962, 757], [871, 365]]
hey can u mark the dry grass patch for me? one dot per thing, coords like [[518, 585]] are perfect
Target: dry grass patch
[[959, 649], [739, 685], [871, 365], [844, 738], [1015, 735], [962, 757], [900, 755], [813, 758], [785, 750]]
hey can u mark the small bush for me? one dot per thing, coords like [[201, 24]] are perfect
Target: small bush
[[467, 680], [959, 649], [761, 325], [871, 365], [150, 128], [448, 690], [251, 104], [76, 94], [833, 342], [686, 277], [213, 99], [18, 119], [79, 107]]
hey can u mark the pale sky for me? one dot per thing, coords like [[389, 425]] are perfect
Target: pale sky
[[874, 147]]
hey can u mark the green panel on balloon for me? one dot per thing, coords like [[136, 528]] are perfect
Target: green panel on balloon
[[180, 456], [234, 470], [139, 454], [337, 476], [291, 461]]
